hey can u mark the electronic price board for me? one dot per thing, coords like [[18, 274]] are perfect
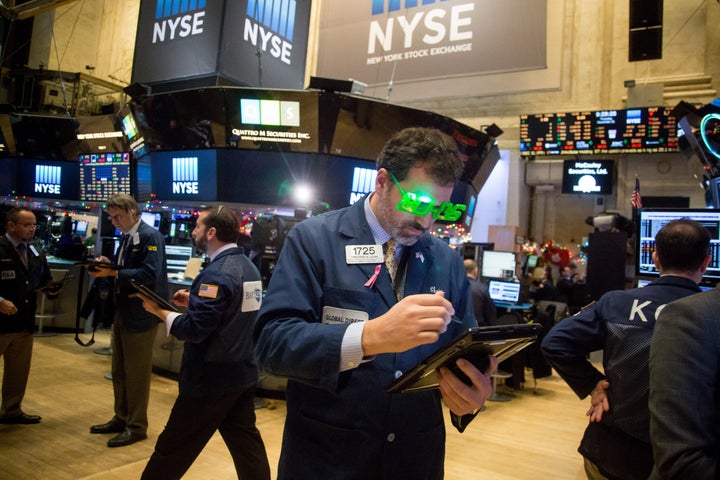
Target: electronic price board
[[103, 175], [635, 130]]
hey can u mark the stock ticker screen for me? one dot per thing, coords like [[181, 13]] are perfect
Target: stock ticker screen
[[103, 175], [636, 130]]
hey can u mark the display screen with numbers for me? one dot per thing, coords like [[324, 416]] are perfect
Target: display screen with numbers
[[635, 130]]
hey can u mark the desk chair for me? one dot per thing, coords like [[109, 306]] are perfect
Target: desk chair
[[57, 276]]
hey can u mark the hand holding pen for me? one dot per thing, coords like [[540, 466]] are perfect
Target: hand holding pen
[[181, 298]]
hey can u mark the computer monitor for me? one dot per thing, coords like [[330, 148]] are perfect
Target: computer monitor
[[103, 175], [643, 282], [177, 257], [504, 292], [497, 264], [151, 218], [80, 228], [650, 222]]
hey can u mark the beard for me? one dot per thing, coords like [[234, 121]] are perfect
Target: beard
[[403, 227], [200, 244]]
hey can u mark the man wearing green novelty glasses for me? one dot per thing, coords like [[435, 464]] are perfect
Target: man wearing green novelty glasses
[[335, 323]]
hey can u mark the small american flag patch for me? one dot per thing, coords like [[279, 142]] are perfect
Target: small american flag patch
[[207, 290]]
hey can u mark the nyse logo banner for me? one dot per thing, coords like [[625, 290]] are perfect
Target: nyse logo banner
[[268, 40], [379, 41], [363, 182], [270, 25], [178, 19], [177, 39], [259, 43], [47, 179], [185, 175]]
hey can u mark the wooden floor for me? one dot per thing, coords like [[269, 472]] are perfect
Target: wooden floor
[[533, 436]]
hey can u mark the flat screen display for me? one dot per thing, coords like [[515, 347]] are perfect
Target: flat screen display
[[284, 120], [267, 178], [177, 257], [652, 220], [103, 175], [497, 264], [134, 137], [636, 130], [593, 177], [80, 227], [151, 218], [143, 186], [186, 175], [504, 292], [47, 179], [346, 180]]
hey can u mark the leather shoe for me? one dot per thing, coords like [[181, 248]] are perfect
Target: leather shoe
[[125, 438], [113, 426], [22, 419]]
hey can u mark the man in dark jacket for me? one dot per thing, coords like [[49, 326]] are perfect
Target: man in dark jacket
[[141, 257], [23, 270], [343, 319], [218, 372], [483, 306], [616, 444]]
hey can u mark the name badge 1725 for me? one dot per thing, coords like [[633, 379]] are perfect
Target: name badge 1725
[[355, 254]]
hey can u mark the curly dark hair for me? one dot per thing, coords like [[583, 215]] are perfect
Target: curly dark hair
[[435, 149]]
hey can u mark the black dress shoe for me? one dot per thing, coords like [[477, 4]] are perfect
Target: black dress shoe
[[22, 419], [125, 438], [113, 426]]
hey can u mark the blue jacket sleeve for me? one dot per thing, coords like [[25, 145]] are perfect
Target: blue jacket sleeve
[[568, 344], [291, 340]]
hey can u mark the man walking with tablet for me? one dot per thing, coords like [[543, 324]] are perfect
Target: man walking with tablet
[[218, 372]]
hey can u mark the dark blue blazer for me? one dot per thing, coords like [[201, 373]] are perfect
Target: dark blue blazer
[[343, 425], [144, 262], [18, 284], [217, 327]]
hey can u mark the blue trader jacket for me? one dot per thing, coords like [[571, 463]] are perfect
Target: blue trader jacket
[[621, 324], [18, 284], [217, 328], [343, 425], [145, 263]]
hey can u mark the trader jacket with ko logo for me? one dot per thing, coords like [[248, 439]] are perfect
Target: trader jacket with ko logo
[[621, 323], [346, 419]]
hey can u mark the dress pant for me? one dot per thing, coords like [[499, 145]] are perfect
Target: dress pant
[[194, 420], [16, 350], [131, 373], [591, 471]]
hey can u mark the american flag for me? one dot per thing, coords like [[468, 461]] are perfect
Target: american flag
[[636, 199]]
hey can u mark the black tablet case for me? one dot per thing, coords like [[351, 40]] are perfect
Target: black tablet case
[[474, 345]]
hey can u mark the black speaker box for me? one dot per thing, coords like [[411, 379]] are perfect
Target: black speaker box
[[645, 44], [646, 13]]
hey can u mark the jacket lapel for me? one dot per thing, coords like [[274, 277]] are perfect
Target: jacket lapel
[[418, 265], [354, 227]]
